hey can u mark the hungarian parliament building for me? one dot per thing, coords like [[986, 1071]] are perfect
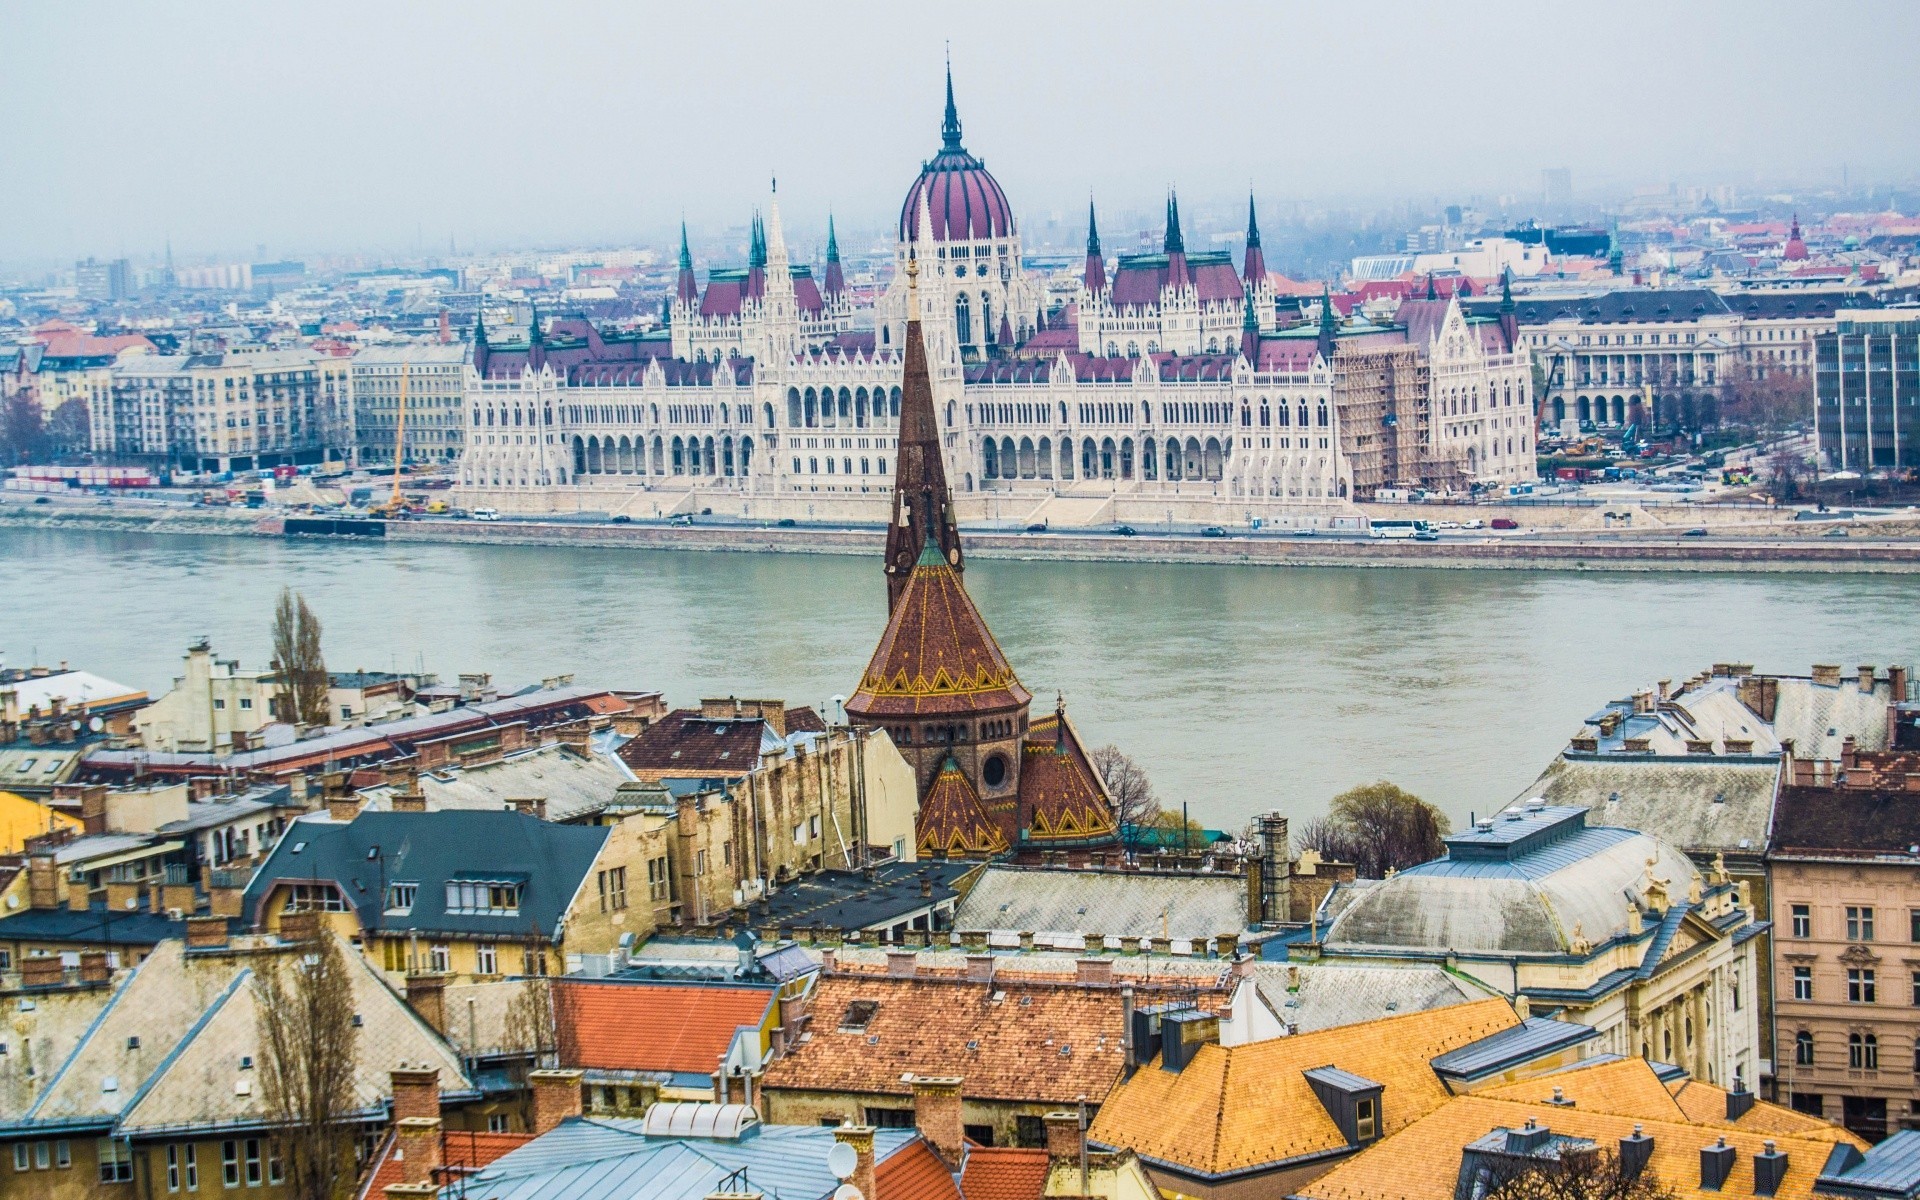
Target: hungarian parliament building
[[1174, 383]]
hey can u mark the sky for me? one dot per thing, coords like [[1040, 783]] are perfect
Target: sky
[[295, 128]]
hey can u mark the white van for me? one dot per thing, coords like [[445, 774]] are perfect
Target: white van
[[486, 514]]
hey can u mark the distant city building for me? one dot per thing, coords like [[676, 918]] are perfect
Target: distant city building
[[234, 410], [1557, 185], [1867, 380], [436, 384], [223, 277], [1159, 386], [110, 280]]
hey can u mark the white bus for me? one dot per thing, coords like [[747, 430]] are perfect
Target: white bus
[[1398, 529]]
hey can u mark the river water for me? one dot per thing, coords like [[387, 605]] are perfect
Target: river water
[[1239, 688]]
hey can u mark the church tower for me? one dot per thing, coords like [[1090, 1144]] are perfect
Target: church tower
[[922, 502]]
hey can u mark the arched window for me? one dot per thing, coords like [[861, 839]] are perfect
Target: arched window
[[1322, 421], [1803, 1049], [893, 402], [1246, 415], [986, 318], [963, 320], [1863, 1052], [769, 413]]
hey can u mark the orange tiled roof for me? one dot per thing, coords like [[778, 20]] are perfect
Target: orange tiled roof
[[651, 1027], [1061, 796], [914, 1172], [1004, 1173], [1239, 1108], [1628, 1087], [1046, 1043], [952, 820], [937, 654], [1706, 1104], [1422, 1161]]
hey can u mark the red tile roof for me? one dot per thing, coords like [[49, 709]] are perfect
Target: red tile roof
[[651, 1027], [1004, 1173], [461, 1150], [685, 743], [952, 819], [937, 655], [914, 1172]]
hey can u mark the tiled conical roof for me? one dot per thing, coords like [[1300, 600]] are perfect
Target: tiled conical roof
[[1061, 797], [952, 820], [937, 655]]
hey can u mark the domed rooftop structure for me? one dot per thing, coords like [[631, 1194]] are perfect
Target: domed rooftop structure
[[964, 202], [1533, 880]]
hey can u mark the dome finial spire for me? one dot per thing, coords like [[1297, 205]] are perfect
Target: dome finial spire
[[950, 124]]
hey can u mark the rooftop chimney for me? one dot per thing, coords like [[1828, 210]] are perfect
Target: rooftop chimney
[[1093, 972], [1769, 1170], [416, 1092], [860, 1137], [206, 933], [1635, 1151], [1866, 678], [1739, 1100], [1716, 1163], [980, 968], [556, 1097], [901, 964], [1826, 674], [426, 996], [936, 1113]]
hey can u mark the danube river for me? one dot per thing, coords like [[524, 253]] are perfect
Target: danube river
[[1239, 688]]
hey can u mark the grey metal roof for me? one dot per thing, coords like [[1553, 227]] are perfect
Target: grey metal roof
[[1322, 995], [1891, 1168], [1345, 1081], [224, 810], [98, 925], [611, 1159], [1026, 900], [1533, 1038], [572, 785], [428, 849], [849, 900], [1575, 885], [1698, 804]]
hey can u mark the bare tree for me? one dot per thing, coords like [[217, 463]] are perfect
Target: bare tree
[[1379, 827], [1769, 398], [23, 430], [1582, 1175], [298, 661], [304, 1012], [1134, 803], [69, 429], [528, 1033]]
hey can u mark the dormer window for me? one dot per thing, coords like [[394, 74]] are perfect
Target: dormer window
[[483, 897], [1366, 1119], [400, 897]]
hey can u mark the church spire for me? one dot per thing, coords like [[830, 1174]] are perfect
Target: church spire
[[836, 280], [1255, 271], [950, 123], [481, 350], [1432, 294], [922, 503], [1096, 269], [687, 290], [1176, 245], [1250, 328], [1329, 327]]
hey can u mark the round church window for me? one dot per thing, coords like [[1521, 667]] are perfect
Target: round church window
[[994, 770]]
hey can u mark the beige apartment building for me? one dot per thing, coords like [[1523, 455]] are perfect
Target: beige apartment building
[[234, 410], [436, 380], [1845, 858]]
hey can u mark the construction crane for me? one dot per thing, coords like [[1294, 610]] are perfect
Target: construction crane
[[396, 503]]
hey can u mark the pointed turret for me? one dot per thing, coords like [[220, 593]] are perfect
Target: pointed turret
[[1329, 326], [481, 351], [1509, 315], [950, 123], [1432, 292], [1096, 271], [687, 291], [922, 502], [836, 280], [1176, 245], [1796, 250], [1255, 272], [756, 259], [536, 342]]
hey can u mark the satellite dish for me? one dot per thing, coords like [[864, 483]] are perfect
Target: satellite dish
[[843, 1160], [96, 724], [847, 1191]]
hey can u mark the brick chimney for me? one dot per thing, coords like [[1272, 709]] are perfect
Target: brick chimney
[[43, 882], [556, 1096], [1826, 674], [979, 968], [936, 1113], [93, 808], [901, 964], [1064, 1139], [1093, 972], [206, 933], [416, 1092], [1866, 678], [1897, 680], [532, 806], [343, 805], [225, 901], [416, 1144], [427, 996], [860, 1137]]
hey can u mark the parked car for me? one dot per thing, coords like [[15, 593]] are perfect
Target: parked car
[[1696, 531], [786, 522], [1426, 535], [42, 500], [621, 519], [1836, 531], [1124, 530], [1213, 531], [1504, 523], [1448, 525], [1476, 523], [1037, 527], [1303, 533], [681, 519]]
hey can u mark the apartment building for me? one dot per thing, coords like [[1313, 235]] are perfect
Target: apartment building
[[234, 410], [435, 382]]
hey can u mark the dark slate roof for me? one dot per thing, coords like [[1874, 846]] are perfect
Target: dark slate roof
[[1531, 1039], [1643, 304], [430, 848], [1837, 820], [98, 925], [1785, 306], [1891, 1168], [689, 744], [848, 900]]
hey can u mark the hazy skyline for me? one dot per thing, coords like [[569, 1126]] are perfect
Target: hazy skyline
[[348, 126]]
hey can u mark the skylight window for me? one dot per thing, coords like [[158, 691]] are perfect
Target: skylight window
[[859, 1015]]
